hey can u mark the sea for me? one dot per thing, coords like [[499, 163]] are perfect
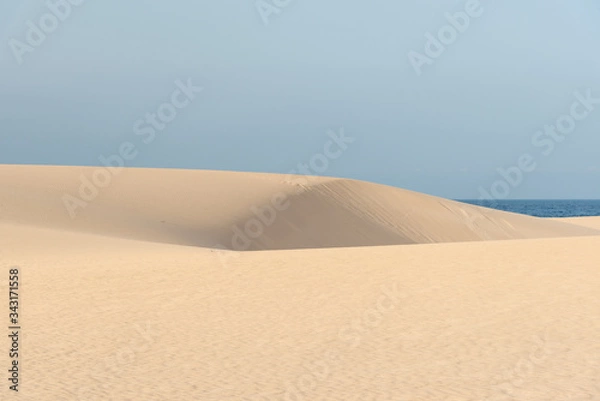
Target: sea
[[543, 208]]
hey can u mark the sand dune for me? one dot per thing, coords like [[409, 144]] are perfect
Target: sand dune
[[590, 222], [250, 211], [128, 301]]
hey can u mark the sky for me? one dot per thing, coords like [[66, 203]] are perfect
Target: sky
[[279, 78]]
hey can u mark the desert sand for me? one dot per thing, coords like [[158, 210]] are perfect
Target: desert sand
[[590, 222], [352, 291]]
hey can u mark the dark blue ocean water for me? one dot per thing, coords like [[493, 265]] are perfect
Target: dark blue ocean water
[[544, 208]]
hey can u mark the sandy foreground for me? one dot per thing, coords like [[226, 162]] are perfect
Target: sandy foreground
[[356, 291]]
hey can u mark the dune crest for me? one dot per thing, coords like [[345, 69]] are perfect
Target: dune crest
[[251, 211]]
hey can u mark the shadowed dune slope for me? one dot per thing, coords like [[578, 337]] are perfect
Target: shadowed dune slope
[[250, 211]]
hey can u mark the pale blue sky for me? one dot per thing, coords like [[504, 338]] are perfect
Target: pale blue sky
[[272, 91]]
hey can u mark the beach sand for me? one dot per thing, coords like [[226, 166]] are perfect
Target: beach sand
[[354, 291]]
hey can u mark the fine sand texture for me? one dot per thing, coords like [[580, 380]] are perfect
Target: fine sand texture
[[129, 301]]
